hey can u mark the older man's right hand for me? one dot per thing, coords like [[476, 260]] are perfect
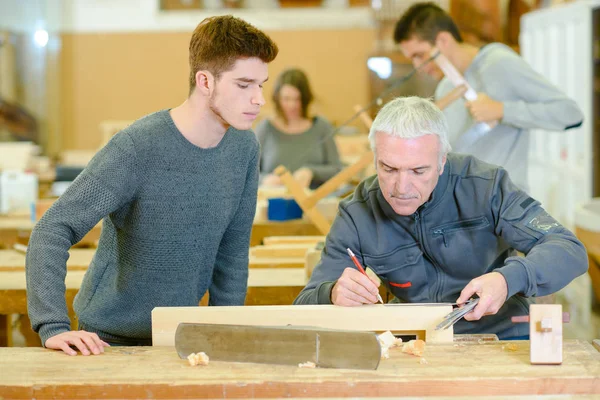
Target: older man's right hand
[[86, 342], [354, 289]]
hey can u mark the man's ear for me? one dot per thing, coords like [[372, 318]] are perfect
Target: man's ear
[[443, 164], [205, 82], [443, 41]]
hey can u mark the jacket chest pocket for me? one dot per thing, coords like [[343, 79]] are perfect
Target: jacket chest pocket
[[455, 231], [403, 272]]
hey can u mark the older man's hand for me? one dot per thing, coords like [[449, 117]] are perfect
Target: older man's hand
[[354, 289], [492, 291]]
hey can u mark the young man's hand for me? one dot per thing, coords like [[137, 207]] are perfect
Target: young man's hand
[[354, 289], [492, 291], [86, 342], [485, 109]]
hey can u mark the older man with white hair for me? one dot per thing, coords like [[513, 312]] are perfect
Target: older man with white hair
[[442, 227]]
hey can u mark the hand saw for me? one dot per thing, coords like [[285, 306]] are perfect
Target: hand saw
[[288, 345], [479, 129]]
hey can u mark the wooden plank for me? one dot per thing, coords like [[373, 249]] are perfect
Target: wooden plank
[[418, 318], [465, 370], [266, 286], [79, 260], [296, 227], [18, 229], [276, 262], [280, 250], [293, 240]]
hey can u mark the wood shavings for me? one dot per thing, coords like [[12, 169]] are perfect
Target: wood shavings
[[510, 347], [387, 340], [308, 364], [423, 361], [414, 347], [198, 359]]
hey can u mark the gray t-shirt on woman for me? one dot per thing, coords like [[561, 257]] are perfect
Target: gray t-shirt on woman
[[314, 149]]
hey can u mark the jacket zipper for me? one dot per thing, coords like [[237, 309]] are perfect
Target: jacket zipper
[[437, 270], [461, 225]]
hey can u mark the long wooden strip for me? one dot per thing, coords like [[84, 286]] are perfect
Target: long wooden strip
[[416, 319]]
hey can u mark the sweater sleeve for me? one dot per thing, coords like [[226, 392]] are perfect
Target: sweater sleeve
[[540, 104], [106, 184], [230, 275]]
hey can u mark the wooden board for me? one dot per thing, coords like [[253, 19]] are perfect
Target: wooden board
[[296, 227], [13, 296], [266, 286], [18, 229], [276, 262], [280, 250], [406, 318], [452, 369], [313, 240], [79, 260]]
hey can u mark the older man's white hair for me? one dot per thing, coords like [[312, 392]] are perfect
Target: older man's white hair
[[410, 118]]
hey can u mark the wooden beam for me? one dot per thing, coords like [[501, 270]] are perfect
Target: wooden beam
[[293, 240], [298, 192], [451, 97], [364, 117], [398, 318], [280, 250]]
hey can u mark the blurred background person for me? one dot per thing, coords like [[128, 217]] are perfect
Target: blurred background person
[[294, 139]]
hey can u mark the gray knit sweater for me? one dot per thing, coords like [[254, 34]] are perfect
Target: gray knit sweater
[[177, 222]]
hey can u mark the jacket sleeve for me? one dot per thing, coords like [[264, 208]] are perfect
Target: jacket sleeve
[[553, 255], [334, 260]]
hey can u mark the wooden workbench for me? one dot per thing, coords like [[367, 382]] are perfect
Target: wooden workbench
[[455, 369]]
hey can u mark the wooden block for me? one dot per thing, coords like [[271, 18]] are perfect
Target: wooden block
[[280, 250], [293, 240], [545, 333], [596, 343], [417, 319]]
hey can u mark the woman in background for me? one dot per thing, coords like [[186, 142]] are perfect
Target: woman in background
[[302, 144]]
